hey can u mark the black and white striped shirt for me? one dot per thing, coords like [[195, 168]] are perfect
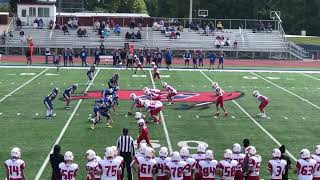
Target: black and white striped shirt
[[125, 144]]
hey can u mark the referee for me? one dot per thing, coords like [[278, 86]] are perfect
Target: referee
[[126, 148]]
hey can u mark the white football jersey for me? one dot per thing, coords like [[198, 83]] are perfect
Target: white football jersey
[[239, 158], [317, 168], [91, 168], [191, 163], [146, 166], [15, 168], [305, 168], [109, 168], [228, 168], [161, 165], [208, 168], [254, 165], [68, 171], [198, 157], [176, 169], [276, 168]]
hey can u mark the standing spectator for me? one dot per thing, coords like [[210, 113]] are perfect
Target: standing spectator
[[201, 58], [69, 23], [70, 56], [22, 37], [55, 159], [168, 57], [97, 54], [28, 56], [148, 56], [235, 44], [221, 58], [155, 57], [65, 57], [286, 158], [269, 27], [141, 56], [117, 57], [220, 26], [212, 59], [159, 58], [102, 49], [65, 29], [36, 23], [132, 23], [140, 23], [125, 145], [194, 59], [186, 57], [123, 55], [83, 56], [129, 60], [18, 24]]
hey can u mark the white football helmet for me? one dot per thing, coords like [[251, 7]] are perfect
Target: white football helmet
[[251, 150], [153, 63], [146, 102], [109, 152], [184, 152], [201, 148], [236, 148], [135, 56], [175, 156], [141, 122], [142, 148], [209, 154], [305, 154], [90, 154], [215, 84], [133, 96], [163, 152], [227, 154], [149, 152], [164, 84], [68, 156], [145, 89], [137, 115], [255, 93], [15, 152], [276, 153], [317, 151]]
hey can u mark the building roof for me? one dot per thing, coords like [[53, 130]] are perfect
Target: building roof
[[37, 2], [92, 14]]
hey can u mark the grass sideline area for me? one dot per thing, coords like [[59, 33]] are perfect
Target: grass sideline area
[[292, 120], [314, 40]]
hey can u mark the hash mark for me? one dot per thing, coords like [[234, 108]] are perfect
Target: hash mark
[[36, 114], [179, 116], [18, 114], [303, 118], [233, 117], [285, 117]]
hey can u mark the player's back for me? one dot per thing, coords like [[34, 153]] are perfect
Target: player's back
[[170, 89], [109, 168], [161, 164], [68, 171], [316, 173], [305, 168], [254, 165], [15, 168], [276, 168], [91, 168], [176, 169], [190, 165], [146, 166], [228, 167], [239, 158], [207, 168]]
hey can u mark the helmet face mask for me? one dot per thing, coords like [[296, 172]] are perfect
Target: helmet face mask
[[109, 152], [276, 153], [201, 148], [304, 154], [209, 155], [68, 156], [184, 152], [236, 148], [15, 153], [163, 152], [175, 156]]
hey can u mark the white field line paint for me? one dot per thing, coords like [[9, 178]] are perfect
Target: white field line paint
[[197, 116], [39, 173], [233, 117], [139, 76], [0, 113], [36, 114], [178, 116], [303, 99], [201, 104], [254, 121], [163, 122], [6, 96], [174, 69], [285, 117], [303, 118], [310, 76], [268, 117], [27, 74], [18, 114], [215, 117]]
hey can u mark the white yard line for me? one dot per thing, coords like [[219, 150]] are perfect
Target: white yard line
[[303, 99], [310, 76], [254, 121], [39, 173], [163, 122], [6, 96]]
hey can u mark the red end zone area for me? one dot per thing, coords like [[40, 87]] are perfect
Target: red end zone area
[[180, 97]]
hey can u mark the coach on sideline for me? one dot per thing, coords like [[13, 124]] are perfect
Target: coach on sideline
[[125, 145]]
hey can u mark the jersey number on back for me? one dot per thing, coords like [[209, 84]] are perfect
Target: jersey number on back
[[67, 175]]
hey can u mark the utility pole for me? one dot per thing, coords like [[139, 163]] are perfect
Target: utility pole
[[190, 13]]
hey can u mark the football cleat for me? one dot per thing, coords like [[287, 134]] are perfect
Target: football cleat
[[216, 114], [108, 126], [263, 115]]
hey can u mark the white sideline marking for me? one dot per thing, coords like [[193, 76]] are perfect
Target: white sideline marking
[[6, 96], [27, 74], [62, 132], [36, 114], [253, 120], [310, 76], [305, 100], [197, 116], [163, 122], [179, 116]]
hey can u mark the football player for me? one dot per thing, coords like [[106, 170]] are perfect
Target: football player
[[57, 62], [113, 82], [101, 110], [239, 157], [276, 166], [207, 167], [138, 64], [264, 101], [15, 166], [109, 92], [200, 155], [48, 102], [152, 94], [316, 156], [254, 163], [90, 74], [143, 133], [227, 166], [156, 72], [141, 150], [190, 163], [175, 168], [220, 101], [68, 169], [67, 93], [92, 163], [145, 166], [171, 92], [154, 108], [162, 160], [137, 102], [109, 167], [120, 158], [305, 166]]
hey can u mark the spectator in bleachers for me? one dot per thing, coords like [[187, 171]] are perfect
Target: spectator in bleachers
[[82, 32], [211, 26], [111, 23], [22, 37], [70, 56], [65, 29], [269, 27], [132, 23], [74, 23], [235, 44], [18, 23], [102, 49], [40, 24], [132, 35], [83, 56], [96, 25], [50, 25], [69, 23], [97, 54], [207, 30], [103, 25], [220, 26], [10, 35], [117, 29], [217, 43], [140, 23], [65, 57], [57, 27], [127, 36], [227, 43], [36, 23], [138, 35]]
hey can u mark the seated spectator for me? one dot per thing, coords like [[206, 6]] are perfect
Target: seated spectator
[[65, 29], [269, 27], [261, 27], [227, 43], [217, 44], [69, 23], [10, 35], [207, 30], [156, 26], [235, 44], [117, 29], [211, 26], [22, 37], [50, 25], [127, 36], [180, 28], [74, 23], [36, 23], [18, 23], [132, 35], [219, 26], [57, 27], [102, 49], [82, 32], [103, 25], [132, 23], [96, 25], [40, 24]]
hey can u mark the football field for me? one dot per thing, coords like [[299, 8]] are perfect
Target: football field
[[293, 113]]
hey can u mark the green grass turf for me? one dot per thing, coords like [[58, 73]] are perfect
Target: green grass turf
[[305, 40], [35, 135]]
